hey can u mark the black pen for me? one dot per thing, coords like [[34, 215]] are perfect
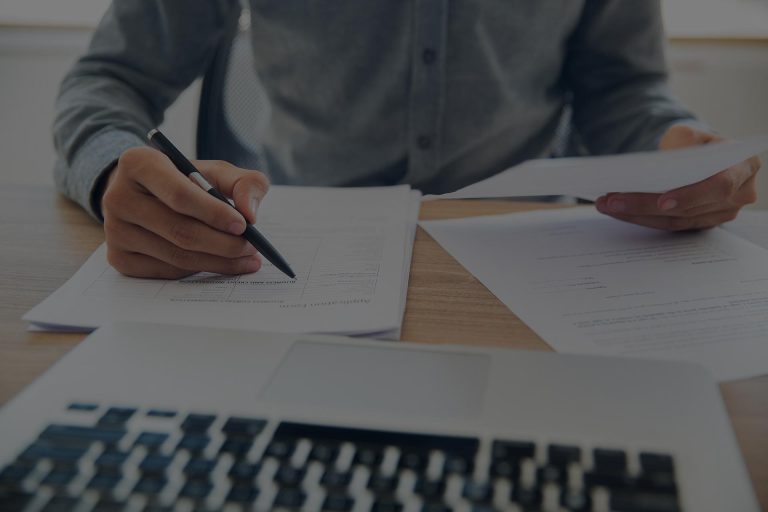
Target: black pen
[[161, 142]]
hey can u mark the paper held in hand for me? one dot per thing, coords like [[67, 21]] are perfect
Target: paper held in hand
[[592, 177]]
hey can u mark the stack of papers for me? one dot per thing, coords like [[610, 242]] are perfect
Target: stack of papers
[[590, 284], [350, 248]]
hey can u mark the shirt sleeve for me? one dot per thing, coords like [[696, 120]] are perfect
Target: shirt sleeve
[[617, 73], [143, 54]]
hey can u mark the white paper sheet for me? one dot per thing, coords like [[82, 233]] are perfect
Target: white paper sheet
[[751, 225], [592, 177], [587, 283], [350, 248]]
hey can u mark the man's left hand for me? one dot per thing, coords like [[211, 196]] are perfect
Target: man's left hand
[[703, 205]]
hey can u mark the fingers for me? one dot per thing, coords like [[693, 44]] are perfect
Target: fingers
[[732, 187], [123, 236], [182, 231], [159, 224], [682, 136], [246, 188], [151, 170], [705, 221]]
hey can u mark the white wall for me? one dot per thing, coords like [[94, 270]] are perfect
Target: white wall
[[33, 62]]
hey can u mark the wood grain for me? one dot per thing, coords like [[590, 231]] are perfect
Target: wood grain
[[46, 238]]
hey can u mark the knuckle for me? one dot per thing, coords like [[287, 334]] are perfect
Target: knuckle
[[679, 224], [118, 259], [730, 215], [183, 235], [181, 258], [725, 183]]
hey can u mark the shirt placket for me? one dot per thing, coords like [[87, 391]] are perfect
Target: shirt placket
[[425, 100]]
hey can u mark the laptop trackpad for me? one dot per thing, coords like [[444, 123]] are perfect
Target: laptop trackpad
[[381, 380]]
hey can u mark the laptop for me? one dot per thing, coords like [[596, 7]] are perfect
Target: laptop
[[143, 417]]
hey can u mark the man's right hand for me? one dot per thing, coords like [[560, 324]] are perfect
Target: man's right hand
[[159, 224]]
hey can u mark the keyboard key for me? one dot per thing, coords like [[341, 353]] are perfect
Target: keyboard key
[[609, 461], [116, 417], [104, 481], [477, 492], [335, 480], [237, 447], [14, 474], [71, 434], [161, 413], [337, 502], [199, 469], [324, 452], [82, 407], [150, 485], [386, 505], [656, 463], [554, 474], [430, 490], [195, 489], [562, 455], [197, 423], [458, 465], [288, 476], [59, 477], [61, 503], [425, 442], [381, 484], [242, 493], [632, 501], [281, 449], [243, 427], [14, 500], [193, 443], [505, 469], [242, 471], [111, 461], [151, 440], [610, 480], [60, 455], [291, 498], [436, 507], [106, 504], [512, 450], [155, 464], [367, 455], [414, 460]]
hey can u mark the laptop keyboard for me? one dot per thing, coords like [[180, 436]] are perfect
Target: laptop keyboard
[[125, 459]]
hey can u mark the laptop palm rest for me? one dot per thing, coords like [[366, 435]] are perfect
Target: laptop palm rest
[[381, 380]]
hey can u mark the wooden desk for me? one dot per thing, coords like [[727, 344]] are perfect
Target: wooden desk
[[46, 238]]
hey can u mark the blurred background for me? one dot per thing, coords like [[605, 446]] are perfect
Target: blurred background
[[718, 54]]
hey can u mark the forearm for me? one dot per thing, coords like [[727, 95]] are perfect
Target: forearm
[[142, 56]]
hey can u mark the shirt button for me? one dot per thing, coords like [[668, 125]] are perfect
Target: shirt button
[[428, 56], [424, 142]]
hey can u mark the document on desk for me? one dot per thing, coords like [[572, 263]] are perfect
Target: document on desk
[[592, 177], [590, 284], [751, 225], [351, 250]]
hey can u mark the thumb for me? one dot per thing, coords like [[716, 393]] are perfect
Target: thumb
[[680, 136], [246, 187]]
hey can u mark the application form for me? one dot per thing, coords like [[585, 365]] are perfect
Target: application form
[[587, 283], [350, 248], [592, 177]]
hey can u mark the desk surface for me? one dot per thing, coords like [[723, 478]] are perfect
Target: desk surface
[[46, 238]]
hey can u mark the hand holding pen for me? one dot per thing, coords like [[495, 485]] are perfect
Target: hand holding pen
[[160, 224]]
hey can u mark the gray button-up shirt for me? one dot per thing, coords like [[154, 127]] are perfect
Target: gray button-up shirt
[[436, 93]]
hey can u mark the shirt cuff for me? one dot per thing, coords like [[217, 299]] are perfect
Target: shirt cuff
[[83, 180]]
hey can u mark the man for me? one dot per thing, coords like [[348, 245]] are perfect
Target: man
[[429, 92]]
